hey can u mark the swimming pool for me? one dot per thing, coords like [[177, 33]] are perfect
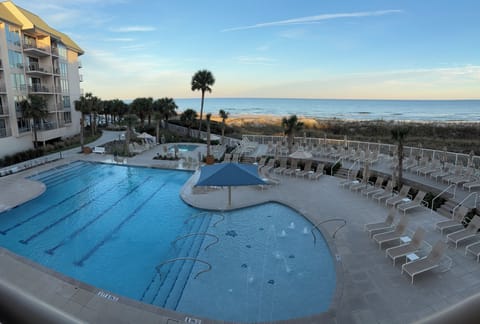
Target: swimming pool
[[113, 227], [183, 147]]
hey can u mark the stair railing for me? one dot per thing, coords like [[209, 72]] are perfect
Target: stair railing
[[465, 199], [186, 259], [444, 191], [326, 221]]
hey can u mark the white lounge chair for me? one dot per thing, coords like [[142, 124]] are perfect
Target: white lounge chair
[[429, 262], [318, 172], [416, 202], [386, 225], [455, 222], [402, 196], [99, 150], [392, 235], [373, 187], [411, 247], [473, 248], [466, 233]]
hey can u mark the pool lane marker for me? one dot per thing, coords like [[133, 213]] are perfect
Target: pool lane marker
[[5, 231], [116, 229], [90, 222], [61, 219]]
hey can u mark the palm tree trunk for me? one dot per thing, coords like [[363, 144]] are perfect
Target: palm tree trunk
[[157, 130], [201, 114], [34, 135], [82, 129], [400, 164], [223, 132]]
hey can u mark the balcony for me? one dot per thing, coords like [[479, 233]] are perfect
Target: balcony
[[36, 50], [50, 131], [80, 77], [56, 71], [38, 88], [36, 69], [3, 90], [54, 51], [5, 132], [79, 64], [3, 111]]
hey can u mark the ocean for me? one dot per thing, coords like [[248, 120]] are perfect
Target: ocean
[[402, 110]]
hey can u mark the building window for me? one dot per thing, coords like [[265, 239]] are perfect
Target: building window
[[63, 69], [15, 59], [3, 128], [17, 100], [23, 125], [66, 101], [13, 35], [62, 51], [67, 117], [64, 85], [18, 81]]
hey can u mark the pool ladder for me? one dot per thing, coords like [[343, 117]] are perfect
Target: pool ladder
[[186, 259], [204, 214], [326, 221]]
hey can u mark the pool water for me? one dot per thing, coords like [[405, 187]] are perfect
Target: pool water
[[183, 147], [113, 227]]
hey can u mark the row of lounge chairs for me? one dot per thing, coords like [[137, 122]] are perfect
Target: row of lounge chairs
[[291, 170], [414, 265]]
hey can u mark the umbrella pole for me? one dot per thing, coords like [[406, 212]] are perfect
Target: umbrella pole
[[229, 196]]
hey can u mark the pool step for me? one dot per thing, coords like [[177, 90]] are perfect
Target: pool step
[[181, 248], [173, 282]]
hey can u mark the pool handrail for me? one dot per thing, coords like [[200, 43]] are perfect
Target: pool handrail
[[185, 259], [206, 213], [444, 191], [315, 226], [198, 233]]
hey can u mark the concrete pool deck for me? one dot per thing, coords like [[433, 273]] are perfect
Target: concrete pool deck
[[370, 289]]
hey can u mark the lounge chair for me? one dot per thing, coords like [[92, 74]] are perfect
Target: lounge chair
[[306, 170], [473, 248], [385, 193], [227, 157], [417, 202], [282, 167], [373, 187], [455, 222], [386, 225], [402, 196], [470, 231], [467, 176], [99, 150], [318, 172], [410, 247], [268, 167], [392, 235], [471, 185], [429, 262], [292, 169]]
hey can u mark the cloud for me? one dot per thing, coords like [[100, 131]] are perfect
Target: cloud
[[315, 19], [129, 29], [119, 39], [254, 60]]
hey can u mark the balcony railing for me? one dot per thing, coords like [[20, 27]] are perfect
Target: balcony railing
[[33, 48], [5, 132], [54, 51], [79, 64], [80, 77], [37, 88], [36, 68]]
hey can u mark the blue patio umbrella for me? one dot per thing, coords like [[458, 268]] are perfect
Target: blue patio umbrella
[[229, 175]]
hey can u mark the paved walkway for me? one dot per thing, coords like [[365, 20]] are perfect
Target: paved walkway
[[369, 288]]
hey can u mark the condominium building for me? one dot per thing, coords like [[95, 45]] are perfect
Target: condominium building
[[35, 59]]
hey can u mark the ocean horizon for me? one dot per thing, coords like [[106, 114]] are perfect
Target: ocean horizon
[[467, 110]]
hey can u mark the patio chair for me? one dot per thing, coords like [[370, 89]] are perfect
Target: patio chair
[[373, 187], [386, 225], [392, 235], [227, 157], [411, 247], [402, 196], [417, 202], [467, 176], [434, 166], [318, 172], [470, 231], [268, 167], [455, 222], [306, 170], [429, 262], [292, 169], [385, 193], [282, 167], [471, 185], [473, 248]]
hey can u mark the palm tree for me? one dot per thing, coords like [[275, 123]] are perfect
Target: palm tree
[[208, 116], [35, 108], [142, 107], [224, 115], [82, 106], [166, 107], [130, 120], [291, 126], [188, 117], [202, 80], [399, 134], [120, 108]]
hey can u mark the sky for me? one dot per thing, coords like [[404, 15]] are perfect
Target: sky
[[349, 49]]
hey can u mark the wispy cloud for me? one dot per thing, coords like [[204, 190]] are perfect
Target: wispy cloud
[[119, 39], [254, 60], [315, 19], [129, 29]]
